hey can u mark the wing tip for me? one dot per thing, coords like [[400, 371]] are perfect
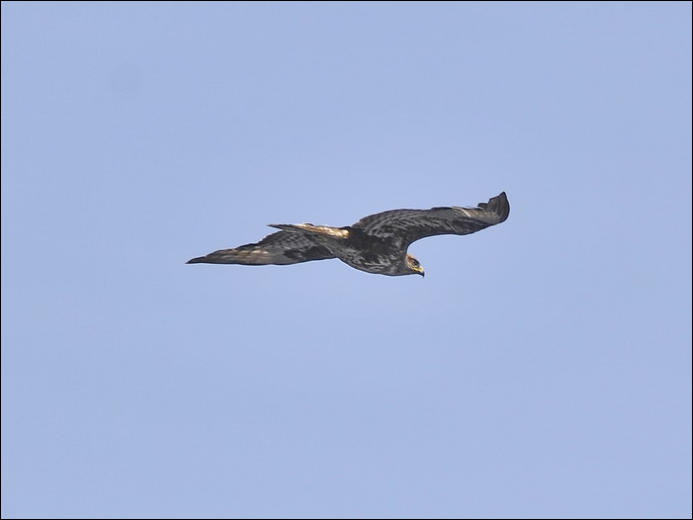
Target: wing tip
[[500, 206]]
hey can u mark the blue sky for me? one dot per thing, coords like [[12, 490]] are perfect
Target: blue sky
[[543, 366]]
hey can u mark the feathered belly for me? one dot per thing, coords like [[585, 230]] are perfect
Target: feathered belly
[[370, 263]]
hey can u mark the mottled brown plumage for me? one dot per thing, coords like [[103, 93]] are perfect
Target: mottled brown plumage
[[375, 244]]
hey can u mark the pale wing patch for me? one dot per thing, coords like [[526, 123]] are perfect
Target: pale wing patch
[[465, 211]]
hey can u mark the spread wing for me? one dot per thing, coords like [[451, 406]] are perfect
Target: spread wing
[[281, 248], [409, 225]]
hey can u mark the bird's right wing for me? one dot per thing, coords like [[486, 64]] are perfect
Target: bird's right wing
[[409, 225], [281, 248]]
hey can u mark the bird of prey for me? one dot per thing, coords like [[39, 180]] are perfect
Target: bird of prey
[[375, 244]]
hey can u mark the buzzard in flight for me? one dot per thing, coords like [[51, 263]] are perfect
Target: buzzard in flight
[[375, 244]]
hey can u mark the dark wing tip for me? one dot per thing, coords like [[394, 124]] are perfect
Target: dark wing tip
[[498, 205], [197, 260]]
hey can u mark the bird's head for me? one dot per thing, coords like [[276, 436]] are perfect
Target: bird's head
[[414, 266]]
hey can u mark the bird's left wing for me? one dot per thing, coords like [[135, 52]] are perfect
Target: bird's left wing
[[280, 248], [412, 224]]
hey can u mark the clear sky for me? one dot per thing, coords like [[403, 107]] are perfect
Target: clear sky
[[541, 368]]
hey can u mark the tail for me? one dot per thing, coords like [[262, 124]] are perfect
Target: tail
[[328, 231]]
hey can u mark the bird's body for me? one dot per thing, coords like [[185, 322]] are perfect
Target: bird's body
[[375, 244]]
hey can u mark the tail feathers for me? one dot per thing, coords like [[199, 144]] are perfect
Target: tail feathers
[[287, 227], [333, 232]]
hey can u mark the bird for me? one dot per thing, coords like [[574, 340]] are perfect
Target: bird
[[375, 244]]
